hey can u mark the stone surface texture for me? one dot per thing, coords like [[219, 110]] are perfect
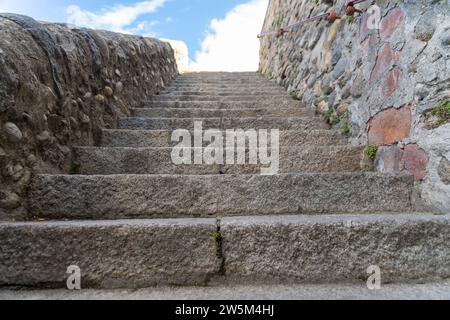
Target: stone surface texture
[[324, 218], [323, 249], [429, 291], [59, 86], [171, 196], [139, 253], [254, 250], [389, 79]]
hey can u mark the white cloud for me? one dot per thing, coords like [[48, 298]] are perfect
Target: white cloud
[[231, 43], [181, 52], [119, 18]]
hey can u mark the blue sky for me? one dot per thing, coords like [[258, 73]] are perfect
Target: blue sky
[[196, 22]]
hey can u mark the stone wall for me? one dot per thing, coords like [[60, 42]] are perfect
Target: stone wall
[[388, 87], [59, 86]]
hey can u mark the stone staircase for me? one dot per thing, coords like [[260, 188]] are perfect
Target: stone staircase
[[131, 218]]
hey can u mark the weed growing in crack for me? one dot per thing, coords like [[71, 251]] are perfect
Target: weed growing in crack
[[371, 151], [295, 97], [346, 124], [75, 167], [331, 117], [217, 236], [279, 21], [442, 112]]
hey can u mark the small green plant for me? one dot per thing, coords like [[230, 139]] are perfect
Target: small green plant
[[346, 129], [346, 124], [271, 76], [295, 96], [371, 151], [75, 167], [323, 94], [328, 114], [217, 236], [438, 116], [425, 37], [278, 21], [331, 117], [442, 111]]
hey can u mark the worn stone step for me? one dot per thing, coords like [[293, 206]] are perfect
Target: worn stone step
[[254, 98], [220, 113], [408, 290], [222, 78], [223, 87], [157, 138], [255, 250], [284, 104], [220, 73], [253, 77], [330, 249], [248, 80], [305, 123], [104, 161], [203, 74], [222, 83], [164, 196], [222, 93], [110, 254]]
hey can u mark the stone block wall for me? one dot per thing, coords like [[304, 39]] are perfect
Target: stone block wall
[[59, 85], [387, 86]]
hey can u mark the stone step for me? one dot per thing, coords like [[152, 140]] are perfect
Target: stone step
[[220, 113], [203, 74], [254, 98], [284, 104], [254, 77], [219, 74], [105, 161], [408, 290], [158, 139], [222, 93], [254, 83], [223, 87], [305, 123], [167, 196], [330, 249], [255, 250], [110, 254], [223, 78]]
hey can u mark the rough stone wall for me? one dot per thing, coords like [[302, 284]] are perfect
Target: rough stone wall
[[387, 87], [58, 87]]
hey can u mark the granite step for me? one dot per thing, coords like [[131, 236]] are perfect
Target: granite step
[[222, 93], [162, 139], [273, 98], [110, 254], [105, 161], [336, 249], [167, 196], [224, 87], [283, 104], [268, 250], [220, 113], [303, 123]]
